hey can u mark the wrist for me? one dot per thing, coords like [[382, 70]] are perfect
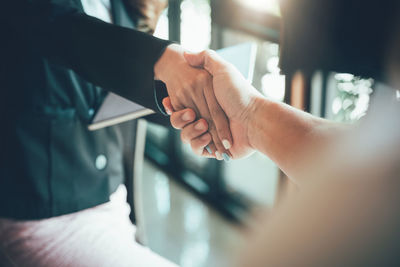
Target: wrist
[[162, 66], [254, 118], [249, 115]]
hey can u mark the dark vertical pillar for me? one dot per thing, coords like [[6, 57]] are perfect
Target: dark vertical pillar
[[216, 30], [325, 76], [174, 17]]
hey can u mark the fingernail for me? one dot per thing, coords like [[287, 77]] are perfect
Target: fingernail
[[218, 155], [199, 126], [169, 112], [208, 150], [186, 116], [226, 144], [226, 157]]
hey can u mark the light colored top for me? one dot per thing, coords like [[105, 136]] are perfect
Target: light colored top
[[100, 9]]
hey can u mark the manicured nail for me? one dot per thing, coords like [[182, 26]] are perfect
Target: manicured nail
[[208, 150], [169, 112], [226, 144], [199, 126], [218, 155], [226, 157], [186, 116]]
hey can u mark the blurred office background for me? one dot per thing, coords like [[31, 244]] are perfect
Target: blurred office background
[[193, 210]]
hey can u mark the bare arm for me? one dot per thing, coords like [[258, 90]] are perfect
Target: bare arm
[[286, 135], [347, 212]]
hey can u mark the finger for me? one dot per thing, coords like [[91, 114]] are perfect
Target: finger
[[188, 99], [195, 59], [180, 119], [207, 59], [219, 148], [174, 99], [194, 130], [168, 105], [198, 144], [219, 118], [214, 151], [207, 155], [205, 81], [200, 98], [213, 148]]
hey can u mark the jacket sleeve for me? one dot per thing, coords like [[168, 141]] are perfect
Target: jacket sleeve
[[337, 35], [118, 59]]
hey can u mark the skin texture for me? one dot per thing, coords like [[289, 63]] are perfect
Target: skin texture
[[186, 86], [190, 87], [346, 213], [256, 123]]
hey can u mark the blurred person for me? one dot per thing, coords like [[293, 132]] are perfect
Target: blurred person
[[61, 199], [345, 213]]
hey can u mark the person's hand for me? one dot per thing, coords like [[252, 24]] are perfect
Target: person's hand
[[190, 87], [235, 95], [196, 134]]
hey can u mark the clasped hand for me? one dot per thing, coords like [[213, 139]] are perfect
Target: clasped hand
[[221, 112], [192, 88]]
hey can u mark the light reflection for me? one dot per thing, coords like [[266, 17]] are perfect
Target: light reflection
[[197, 247], [162, 191], [346, 77], [273, 84], [361, 107], [196, 25], [195, 254], [353, 97], [194, 217], [162, 29], [273, 65], [336, 105], [271, 6]]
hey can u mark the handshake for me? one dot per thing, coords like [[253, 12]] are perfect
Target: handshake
[[209, 100]]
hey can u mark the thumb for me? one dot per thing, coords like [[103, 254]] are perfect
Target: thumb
[[208, 59], [195, 59]]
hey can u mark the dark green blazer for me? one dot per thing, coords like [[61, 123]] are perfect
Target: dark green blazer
[[56, 65]]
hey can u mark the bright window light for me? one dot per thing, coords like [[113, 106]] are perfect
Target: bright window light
[[196, 25], [162, 30], [271, 6]]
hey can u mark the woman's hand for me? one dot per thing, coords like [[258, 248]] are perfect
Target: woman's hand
[[288, 136], [190, 87], [195, 132], [236, 97]]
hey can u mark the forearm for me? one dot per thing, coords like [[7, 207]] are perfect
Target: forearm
[[113, 57], [118, 59], [287, 135]]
